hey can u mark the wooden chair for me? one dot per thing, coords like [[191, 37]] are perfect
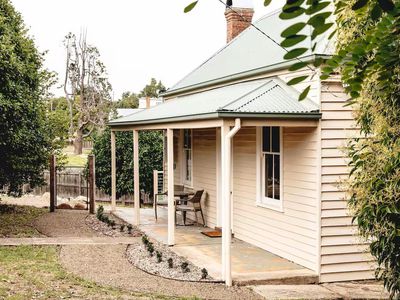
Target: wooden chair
[[162, 200], [192, 204]]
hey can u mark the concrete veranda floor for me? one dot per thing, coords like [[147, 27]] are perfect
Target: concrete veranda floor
[[250, 264]]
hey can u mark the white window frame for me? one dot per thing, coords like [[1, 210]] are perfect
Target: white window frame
[[188, 183], [263, 201]]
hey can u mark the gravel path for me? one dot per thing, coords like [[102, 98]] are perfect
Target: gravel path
[[65, 223], [107, 264]]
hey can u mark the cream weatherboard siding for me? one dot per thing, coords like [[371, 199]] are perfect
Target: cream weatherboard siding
[[204, 172], [343, 255], [291, 234]]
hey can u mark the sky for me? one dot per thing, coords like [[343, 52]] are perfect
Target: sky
[[137, 40]]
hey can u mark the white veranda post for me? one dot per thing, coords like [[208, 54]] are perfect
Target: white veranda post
[[171, 203], [136, 176], [113, 172]]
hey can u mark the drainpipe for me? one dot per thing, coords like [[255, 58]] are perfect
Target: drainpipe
[[227, 205]]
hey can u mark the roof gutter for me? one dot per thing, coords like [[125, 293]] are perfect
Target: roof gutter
[[242, 75], [221, 115]]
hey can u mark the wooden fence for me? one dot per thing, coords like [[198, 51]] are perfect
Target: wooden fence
[[71, 183]]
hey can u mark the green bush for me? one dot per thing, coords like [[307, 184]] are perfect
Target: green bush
[[150, 158]]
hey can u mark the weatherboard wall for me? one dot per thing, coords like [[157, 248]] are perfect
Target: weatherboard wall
[[343, 253]]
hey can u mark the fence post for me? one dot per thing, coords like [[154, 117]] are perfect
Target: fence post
[[155, 184], [53, 187], [91, 183]]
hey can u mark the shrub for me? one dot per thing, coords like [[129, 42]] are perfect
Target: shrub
[[129, 226], [145, 240], [99, 212], [150, 157], [150, 248], [184, 266], [170, 263], [204, 273], [112, 224], [159, 256], [122, 228]]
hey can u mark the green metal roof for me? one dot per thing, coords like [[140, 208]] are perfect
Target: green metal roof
[[251, 51], [262, 98]]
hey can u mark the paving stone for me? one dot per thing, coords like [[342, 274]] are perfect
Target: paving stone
[[311, 291], [354, 290]]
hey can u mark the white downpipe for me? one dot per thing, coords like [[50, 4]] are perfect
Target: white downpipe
[[227, 205]]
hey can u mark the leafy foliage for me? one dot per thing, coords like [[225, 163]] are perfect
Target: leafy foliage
[[367, 58], [153, 89], [128, 100], [25, 144], [150, 158]]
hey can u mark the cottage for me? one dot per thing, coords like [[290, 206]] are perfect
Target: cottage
[[270, 165]]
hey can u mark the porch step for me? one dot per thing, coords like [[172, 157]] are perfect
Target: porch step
[[289, 277]]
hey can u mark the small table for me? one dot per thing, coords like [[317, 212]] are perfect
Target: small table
[[183, 196]]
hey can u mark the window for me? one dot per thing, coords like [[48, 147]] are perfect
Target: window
[[187, 156], [271, 168]]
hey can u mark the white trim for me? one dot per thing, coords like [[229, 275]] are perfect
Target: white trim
[[262, 201], [218, 175]]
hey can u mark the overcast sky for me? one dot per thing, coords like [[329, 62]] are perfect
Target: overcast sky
[[137, 39]]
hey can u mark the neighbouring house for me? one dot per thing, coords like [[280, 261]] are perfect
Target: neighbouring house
[[144, 102], [270, 164]]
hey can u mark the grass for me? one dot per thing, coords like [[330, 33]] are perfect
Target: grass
[[76, 160], [16, 221], [34, 272]]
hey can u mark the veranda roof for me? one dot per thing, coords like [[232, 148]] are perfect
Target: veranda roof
[[266, 98]]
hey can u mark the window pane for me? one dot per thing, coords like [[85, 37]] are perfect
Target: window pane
[[266, 139], [277, 181], [268, 175], [275, 139]]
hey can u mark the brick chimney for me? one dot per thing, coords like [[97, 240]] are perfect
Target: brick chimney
[[147, 102], [238, 18]]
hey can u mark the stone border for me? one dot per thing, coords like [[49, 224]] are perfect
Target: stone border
[[138, 256]]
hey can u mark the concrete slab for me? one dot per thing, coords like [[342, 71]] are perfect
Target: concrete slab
[[358, 290], [250, 264], [311, 292]]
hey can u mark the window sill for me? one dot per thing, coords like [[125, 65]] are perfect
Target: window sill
[[277, 208]]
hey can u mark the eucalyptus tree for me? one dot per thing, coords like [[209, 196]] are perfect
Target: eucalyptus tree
[[87, 89]]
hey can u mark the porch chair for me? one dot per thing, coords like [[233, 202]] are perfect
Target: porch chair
[[161, 199], [192, 204]]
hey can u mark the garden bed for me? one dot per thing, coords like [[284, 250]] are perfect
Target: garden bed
[[110, 225], [164, 262]]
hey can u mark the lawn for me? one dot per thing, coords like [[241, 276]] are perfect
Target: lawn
[[76, 160], [33, 272], [16, 221]]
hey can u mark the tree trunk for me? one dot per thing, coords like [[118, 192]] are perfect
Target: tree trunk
[[78, 142]]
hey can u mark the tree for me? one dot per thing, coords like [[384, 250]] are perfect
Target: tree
[[367, 58], [153, 89], [86, 88], [24, 143], [128, 100], [150, 158]]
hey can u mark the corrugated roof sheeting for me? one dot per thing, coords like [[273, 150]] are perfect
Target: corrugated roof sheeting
[[267, 96]]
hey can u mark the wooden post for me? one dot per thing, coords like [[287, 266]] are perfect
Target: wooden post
[[113, 173], [136, 176], [92, 185], [53, 187], [171, 201]]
